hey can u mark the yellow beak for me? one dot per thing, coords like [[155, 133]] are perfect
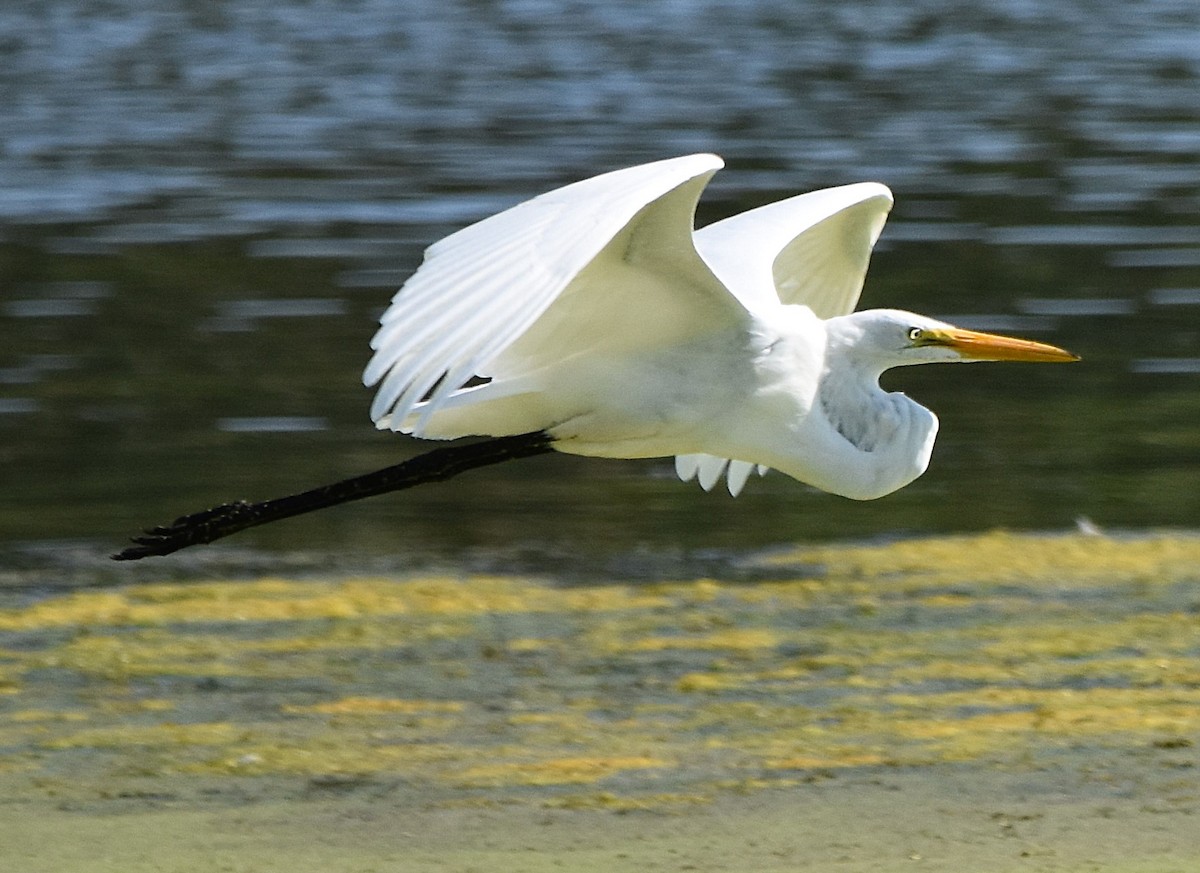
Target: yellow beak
[[992, 347]]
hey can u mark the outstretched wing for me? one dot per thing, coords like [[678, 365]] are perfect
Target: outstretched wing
[[812, 250], [606, 260]]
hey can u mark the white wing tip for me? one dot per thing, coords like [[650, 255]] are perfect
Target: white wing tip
[[708, 469], [870, 190], [706, 159], [686, 467]]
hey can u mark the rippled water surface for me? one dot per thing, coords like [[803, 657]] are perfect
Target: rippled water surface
[[205, 207]]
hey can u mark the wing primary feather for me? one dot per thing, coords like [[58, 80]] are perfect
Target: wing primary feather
[[711, 469], [398, 342], [739, 472], [407, 386], [449, 287], [686, 466], [476, 359]]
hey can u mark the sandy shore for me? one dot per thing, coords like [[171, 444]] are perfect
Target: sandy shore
[[935, 819]]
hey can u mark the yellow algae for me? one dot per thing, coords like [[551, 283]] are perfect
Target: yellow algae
[[947, 601], [907, 654], [1186, 699], [362, 633], [527, 644], [201, 602], [850, 758], [167, 735], [1138, 671], [765, 720], [274, 600], [793, 672], [551, 719], [248, 591], [1063, 642], [693, 682], [150, 704], [47, 715], [1000, 557], [1019, 714], [326, 754], [606, 800], [88, 607], [376, 706], [740, 640], [963, 670], [147, 653], [1087, 635], [572, 728], [694, 592], [139, 652], [975, 725], [480, 595], [555, 771], [793, 592], [751, 784]]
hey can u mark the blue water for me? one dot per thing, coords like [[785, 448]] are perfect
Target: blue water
[[204, 207]]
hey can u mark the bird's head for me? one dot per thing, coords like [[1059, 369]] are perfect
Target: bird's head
[[895, 338]]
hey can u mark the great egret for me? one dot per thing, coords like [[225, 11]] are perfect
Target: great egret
[[594, 320]]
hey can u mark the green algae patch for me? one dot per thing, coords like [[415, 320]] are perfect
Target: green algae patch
[[996, 650]]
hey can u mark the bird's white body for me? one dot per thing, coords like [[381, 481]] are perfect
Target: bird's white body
[[596, 313]]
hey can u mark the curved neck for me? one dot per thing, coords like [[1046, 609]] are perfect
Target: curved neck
[[845, 434], [882, 440], [858, 440]]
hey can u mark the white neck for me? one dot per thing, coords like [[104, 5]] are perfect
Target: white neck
[[851, 437], [881, 441]]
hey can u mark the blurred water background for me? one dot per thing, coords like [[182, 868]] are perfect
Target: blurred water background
[[204, 207]]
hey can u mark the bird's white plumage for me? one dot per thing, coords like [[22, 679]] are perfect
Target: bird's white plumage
[[597, 314], [609, 262], [482, 302]]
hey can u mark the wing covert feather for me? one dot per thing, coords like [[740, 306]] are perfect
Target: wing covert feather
[[812, 249]]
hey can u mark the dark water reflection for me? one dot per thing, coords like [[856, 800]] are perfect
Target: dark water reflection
[[206, 206]]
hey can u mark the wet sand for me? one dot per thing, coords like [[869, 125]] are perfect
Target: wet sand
[[939, 819], [988, 703]]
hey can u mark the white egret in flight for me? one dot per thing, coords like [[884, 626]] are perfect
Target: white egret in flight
[[594, 320]]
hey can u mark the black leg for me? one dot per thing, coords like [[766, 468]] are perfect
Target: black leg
[[229, 518]]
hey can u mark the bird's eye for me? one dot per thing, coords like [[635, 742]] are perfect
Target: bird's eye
[[915, 333]]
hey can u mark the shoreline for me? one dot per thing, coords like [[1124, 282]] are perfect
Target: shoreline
[[985, 704]]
